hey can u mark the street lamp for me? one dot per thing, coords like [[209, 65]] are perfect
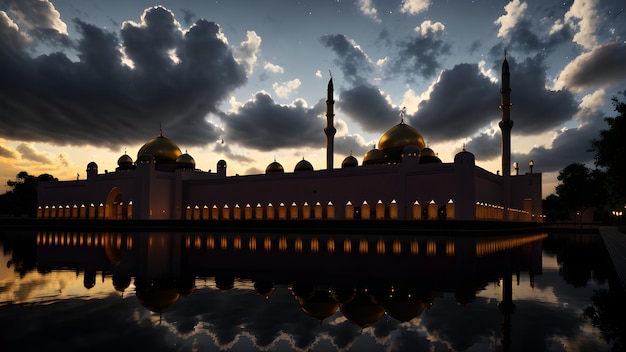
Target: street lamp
[[516, 167], [531, 164]]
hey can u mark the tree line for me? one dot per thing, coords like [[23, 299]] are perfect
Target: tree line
[[601, 189]]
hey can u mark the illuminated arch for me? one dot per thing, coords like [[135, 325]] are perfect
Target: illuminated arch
[[115, 207]]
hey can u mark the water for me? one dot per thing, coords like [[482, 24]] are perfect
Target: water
[[75, 291]]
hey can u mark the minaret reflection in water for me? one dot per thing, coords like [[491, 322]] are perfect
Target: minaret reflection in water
[[363, 277]]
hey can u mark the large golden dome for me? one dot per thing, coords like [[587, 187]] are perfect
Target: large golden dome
[[162, 149], [399, 136]]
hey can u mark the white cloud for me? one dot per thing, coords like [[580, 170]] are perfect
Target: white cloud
[[368, 9], [318, 74], [272, 68], [37, 14], [284, 89], [430, 29], [603, 66], [413, 7], [246, 52], [584, 18], [593, 100], [10, 33], [514, 12]]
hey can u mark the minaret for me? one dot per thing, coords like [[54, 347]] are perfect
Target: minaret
[[505, 125], [330, 128]]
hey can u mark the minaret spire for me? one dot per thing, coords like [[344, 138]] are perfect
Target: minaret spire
[[506, 124], [330, 128]]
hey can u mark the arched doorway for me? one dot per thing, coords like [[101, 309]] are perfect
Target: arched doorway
[[115, 207]]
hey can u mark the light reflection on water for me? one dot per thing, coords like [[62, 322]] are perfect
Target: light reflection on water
[[250, 291]]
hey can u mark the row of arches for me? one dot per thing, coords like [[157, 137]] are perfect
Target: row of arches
[[319, 211], [115, 210], [486, 211]]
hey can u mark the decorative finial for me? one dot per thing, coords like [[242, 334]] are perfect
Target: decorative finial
[[463, 146], [124, 150], [505, 52], [161, 128], [331, 74], [402, 113]]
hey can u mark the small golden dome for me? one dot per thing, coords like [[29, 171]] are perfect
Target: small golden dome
[[374, 156], [162, 149], [429, 156], [124, 160], [274, 166], [185, 161], [428, 152], [303, 165], [399, 136], [349, 161]]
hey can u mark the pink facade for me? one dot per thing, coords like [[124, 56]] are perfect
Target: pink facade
[[456, 191], [403, 180]]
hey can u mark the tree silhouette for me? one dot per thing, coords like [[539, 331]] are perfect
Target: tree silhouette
[[21, 200], [610, 151]]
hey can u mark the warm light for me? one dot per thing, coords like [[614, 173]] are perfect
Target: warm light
[[363, 246], [252, 243], [314, 245], [347, 245], [397, 247], [330, 244], [380, 247], [267, 244], [298, 244]]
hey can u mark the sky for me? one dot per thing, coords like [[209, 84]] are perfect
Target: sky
[[245, 81]]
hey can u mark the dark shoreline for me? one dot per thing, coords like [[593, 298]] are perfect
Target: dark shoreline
[[302, 226]]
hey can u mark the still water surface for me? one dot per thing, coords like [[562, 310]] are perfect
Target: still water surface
[[72, 291]]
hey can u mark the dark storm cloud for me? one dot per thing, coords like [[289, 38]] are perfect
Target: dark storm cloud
[[570, 146], [601, 67], [524, 37], [486, 145], [98, 100], [460, 110], [421, 55], [346, 145], [462, 102], [536, 108], [368, 107], [350, 58], [264, 125]]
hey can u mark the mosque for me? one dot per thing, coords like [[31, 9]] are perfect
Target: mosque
[[402, 179]]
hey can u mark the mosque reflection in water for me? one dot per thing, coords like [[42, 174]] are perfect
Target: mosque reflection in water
[[364, 277]]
